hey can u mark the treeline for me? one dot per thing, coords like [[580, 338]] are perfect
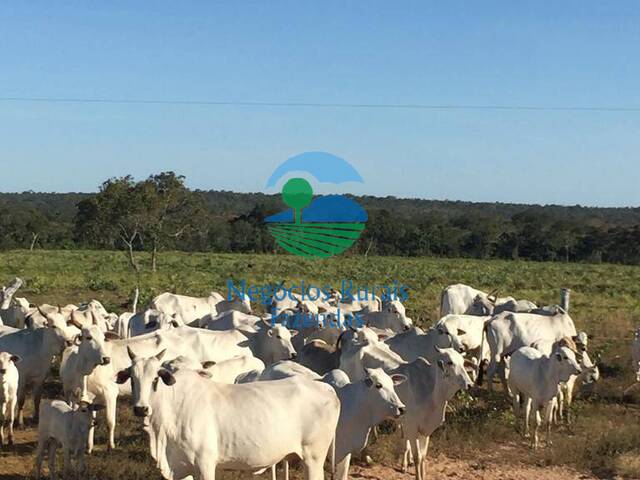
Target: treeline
[[160, 213]]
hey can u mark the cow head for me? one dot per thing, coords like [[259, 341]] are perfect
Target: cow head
[[451, 364], [62, 328], [82, 420], [482, 305], [564, 360], [276, 343], [92, 346], [384, 401], [581, 341], [396, 318], [7, 362], [144, 374], [445, 338]]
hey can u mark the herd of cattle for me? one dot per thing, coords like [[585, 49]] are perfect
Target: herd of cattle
[[219, 387]]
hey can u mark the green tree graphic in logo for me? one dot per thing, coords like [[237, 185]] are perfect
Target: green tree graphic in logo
[[297, 194]]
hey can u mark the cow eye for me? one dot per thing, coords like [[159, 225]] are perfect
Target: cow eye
[[450, 363], [89, 338], [279, 337], [378, 386]]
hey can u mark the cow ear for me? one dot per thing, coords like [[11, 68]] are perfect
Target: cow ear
[[123, 376], [441, 365], [167, 377], [461, 332], [270, 332], [108, 336], [205, 374], [16, 358], [208, 364], [160, 355], [398, 379], [293, 333], [368, 382], [558, 357], [78, 340]]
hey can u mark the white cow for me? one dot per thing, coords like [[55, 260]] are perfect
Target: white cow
[[507, 332], [191, 309], [590, 374], [534, 379], [413, 343], [37, 348], [462, 299], [8, 392], [392, 317], [425, 394], [356, 357], [15, 315], [225, 371], [62, 425], [219, 428], [363, 405]]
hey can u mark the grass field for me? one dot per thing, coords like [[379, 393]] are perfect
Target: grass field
[[604, 441]]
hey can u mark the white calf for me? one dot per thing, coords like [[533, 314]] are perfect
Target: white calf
[[62, 425], [8, 392], [534, 378]]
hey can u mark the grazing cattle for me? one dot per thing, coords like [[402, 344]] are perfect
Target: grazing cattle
[[425, 394], [277, 371], [37, 348], [225, 371], [462, 299], [534, 379], [68, 427], [590, 374], [190, 309], [8, 393], [221, 427], [507, 332], [149, 321], [413, 343], [363, 405], [469, 330], [336, 378]]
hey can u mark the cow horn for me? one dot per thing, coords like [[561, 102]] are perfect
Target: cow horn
[[43, 313], [132, 356], [74, 320]]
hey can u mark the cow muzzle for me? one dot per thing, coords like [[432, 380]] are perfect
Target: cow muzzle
[[141, 411], [400, 411], [294, 355]]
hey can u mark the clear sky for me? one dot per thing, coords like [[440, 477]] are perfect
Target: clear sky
[[539, 53]]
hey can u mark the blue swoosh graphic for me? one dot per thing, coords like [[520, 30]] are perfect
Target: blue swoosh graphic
[[325, 167]]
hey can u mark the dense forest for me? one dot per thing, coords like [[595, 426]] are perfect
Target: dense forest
[[160, 213]]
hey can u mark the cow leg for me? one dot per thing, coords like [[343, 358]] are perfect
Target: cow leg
[[37, 396], [417, 459], [407, 458], [66, 465], [273, 471], [503, 375], [548, 415], [536, 439], [12, 419], [52, 459], [342, 468], [91, 433], [527, 416], [491, 370], [22, 395], [111, 404], [286, 469], [3, 408], [313, 466], [569, 396], [424, 448]]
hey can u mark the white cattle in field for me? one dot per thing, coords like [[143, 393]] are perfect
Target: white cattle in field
[[37, 317], [425, 394], [534, 379], [277, 371], [507, 332], [149, 321], [469, 330], [191, 309], [635, 354], [8, 393], [68, 427], [363, 405], [37, 348], [319, 356], [219, 428], [230, 320], [590, 374], [412, 344], [225, 371]]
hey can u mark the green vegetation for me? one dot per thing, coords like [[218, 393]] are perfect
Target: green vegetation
[[604, 440]]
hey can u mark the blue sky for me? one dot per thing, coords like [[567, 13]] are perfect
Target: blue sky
[[570, 53]]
